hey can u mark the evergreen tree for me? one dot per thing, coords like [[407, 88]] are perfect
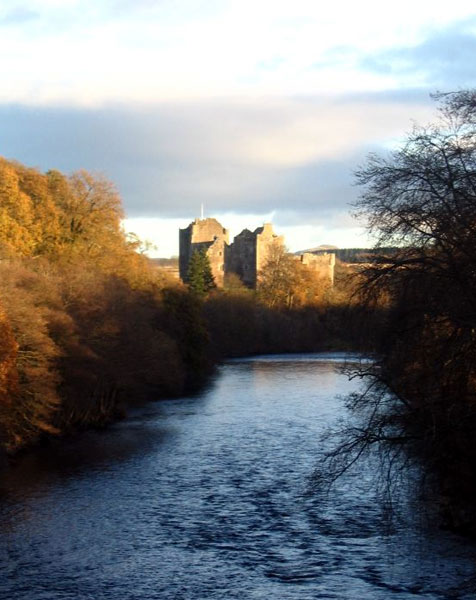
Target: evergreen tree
[[199, 275]]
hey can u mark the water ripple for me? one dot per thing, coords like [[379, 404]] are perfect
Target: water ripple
[[208, 497]]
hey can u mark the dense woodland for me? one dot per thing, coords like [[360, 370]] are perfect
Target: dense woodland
[[86, 325], [89, 325]]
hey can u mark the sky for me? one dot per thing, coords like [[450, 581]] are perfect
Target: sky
[[261, 111]]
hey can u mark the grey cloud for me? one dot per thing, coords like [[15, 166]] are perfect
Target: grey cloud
[[446, 57], [410, 96], [168, 159]]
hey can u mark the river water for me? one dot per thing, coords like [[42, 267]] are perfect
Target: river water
[[209, 497]]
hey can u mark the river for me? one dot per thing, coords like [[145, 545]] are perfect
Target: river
[[209, 497]]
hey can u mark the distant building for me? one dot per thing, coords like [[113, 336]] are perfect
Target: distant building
[[322, 263], [250, 250], [204, 233], [246, 256]]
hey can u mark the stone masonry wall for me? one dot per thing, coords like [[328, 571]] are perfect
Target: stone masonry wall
[[242, 257], [323, 264], [266, 241], [249, 252]]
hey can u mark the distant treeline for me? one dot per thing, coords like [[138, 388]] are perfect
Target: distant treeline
[[89, 325], [345, 255], [361, 255]]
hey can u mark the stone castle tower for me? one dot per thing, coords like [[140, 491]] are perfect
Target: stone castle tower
[[246, 256], [204, 233], [250, 251]]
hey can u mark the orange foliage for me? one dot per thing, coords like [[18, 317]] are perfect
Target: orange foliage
[[8, 355], [85, 324]]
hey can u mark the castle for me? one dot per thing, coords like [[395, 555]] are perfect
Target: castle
[[245, 256]]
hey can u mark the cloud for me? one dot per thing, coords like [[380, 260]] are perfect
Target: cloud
[[18, 16], [90, 53], [444, 58], [252, 108], [250, 156]]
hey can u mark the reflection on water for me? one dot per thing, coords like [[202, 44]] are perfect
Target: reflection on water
[[208, 497]]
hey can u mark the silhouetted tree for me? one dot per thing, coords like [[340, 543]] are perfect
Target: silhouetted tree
[[422, 200]]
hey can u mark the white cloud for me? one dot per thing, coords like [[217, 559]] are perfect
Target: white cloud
[[89, 53]]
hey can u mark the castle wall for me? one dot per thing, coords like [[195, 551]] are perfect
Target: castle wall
[[323, 264], [266, 242], [250, 251], [185, 237], [216, 255], [242, 257]]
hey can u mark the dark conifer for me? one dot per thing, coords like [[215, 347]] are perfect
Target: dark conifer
[[199, 275]]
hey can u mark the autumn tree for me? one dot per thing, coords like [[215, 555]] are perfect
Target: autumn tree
[[277, 278], [86, 321], [16, 214], [28, 301], [60, 216], [284, 282], [8, 377]]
